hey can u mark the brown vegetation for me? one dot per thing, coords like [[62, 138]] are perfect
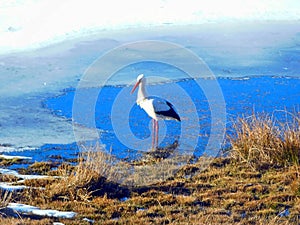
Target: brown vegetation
[[260, 140], [257, 183]]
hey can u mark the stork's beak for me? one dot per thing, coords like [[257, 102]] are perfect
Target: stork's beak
[[135, 86]]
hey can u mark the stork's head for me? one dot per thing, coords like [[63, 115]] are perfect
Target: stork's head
[[139, 79]]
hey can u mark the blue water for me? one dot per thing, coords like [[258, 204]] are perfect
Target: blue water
[[29, 120], [274, 95], [139, 121], [56, 153]]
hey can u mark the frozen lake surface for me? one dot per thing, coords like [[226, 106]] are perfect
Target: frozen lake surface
[[273, 95], [257, 66]]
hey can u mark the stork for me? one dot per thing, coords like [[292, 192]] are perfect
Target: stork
[[157, 109]]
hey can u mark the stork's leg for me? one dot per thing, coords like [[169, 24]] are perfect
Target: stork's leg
[[156, 131], [153, 133]]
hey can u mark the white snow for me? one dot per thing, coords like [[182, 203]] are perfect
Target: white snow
[[34, 23], [88, 220], [14, 157], [22, 208], [7, 149], [22, 176], [32, 210], [53, 213], [10, 187], [9, 172]]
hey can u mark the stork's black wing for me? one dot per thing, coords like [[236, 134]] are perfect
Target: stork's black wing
[[165, 109]]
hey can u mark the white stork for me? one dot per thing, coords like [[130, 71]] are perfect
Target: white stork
[[156, 108]]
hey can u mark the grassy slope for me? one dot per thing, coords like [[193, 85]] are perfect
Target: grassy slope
[[239, 189]]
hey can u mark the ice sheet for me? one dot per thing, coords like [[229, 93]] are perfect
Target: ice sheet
[[10, 187], [31, 24], [14, 157], [22, 176], [29, 78], [32, 210]]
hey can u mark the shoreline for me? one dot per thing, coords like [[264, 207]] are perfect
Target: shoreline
[[240, 187]]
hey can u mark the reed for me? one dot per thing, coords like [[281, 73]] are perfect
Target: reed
[[261, 140], [79, 182], [6, 197]]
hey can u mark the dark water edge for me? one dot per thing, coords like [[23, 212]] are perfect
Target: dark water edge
[[54, 153], [243, 96]]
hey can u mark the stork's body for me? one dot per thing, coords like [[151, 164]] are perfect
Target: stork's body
[[156, 108]]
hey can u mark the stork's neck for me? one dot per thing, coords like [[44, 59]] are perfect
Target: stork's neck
[[142, 93]]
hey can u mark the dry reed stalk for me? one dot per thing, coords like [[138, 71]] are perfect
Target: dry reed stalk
[[94, 167], [261, 139]]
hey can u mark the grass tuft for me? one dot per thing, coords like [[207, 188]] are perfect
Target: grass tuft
[[262, 141], [87, 179]]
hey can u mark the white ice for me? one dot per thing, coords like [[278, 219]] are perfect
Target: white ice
[[10, 187], [21, 176], [83, 32], [31, 24], [13, 186], [14, 157], [32, 210]]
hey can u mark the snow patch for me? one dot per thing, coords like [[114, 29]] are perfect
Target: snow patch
[[10, 187], [88, 220], [29, 24], [14, 157], [25, 177], [33, 210]]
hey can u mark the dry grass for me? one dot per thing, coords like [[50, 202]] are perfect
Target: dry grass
[[6, 198], [226, 192], [7, 162], [210, 191], [25, 221], [84, 180], [263, 141]]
